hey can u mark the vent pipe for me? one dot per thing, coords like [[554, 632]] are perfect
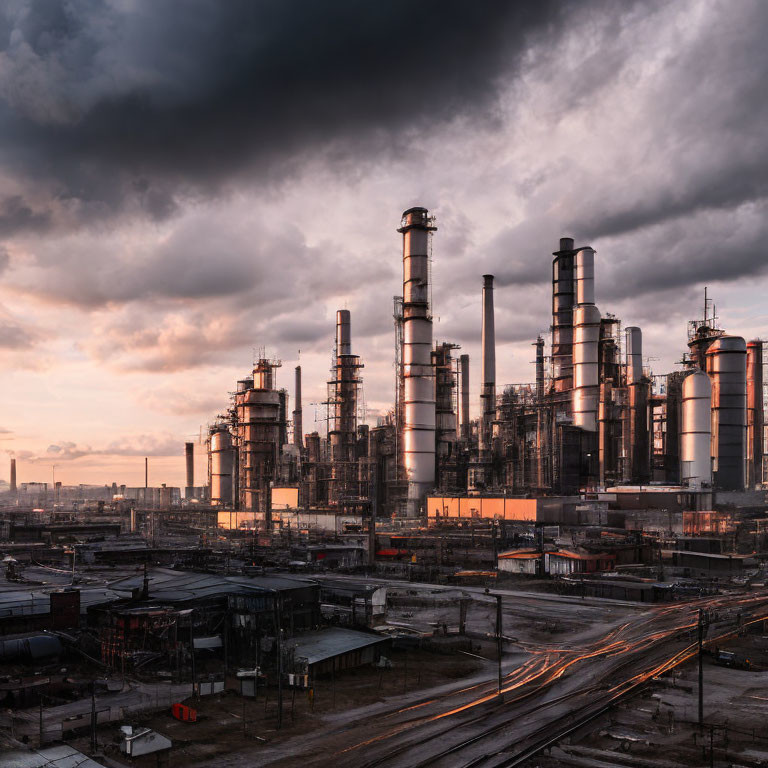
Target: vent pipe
[[696, 431], [298, 427], [634, 354], [755, 414], [586, 318], [418, 375], [464, 388], [488, 392], [539, 344]]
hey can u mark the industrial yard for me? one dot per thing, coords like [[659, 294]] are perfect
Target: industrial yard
[[434, 590], [384, 384]]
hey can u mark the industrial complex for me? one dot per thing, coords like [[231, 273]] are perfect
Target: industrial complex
[[460, 591]]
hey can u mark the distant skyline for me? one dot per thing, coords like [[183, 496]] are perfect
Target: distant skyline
[[184, 183]]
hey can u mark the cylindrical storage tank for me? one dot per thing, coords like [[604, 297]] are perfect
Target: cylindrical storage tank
[[696, 431], [586, 381], [222, 466], [634, 354], [418, 372], [755, 414], [727, 367]]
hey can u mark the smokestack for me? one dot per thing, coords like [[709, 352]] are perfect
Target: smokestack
[[586, 318], [488, 392], [189, 452], [755, 415], [13, 475], [418, 375], [343, 333], [146, 474], [562, 315], [464, 365], [298, 427]]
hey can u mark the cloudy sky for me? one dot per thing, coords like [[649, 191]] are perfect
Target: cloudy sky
[[184, 183]]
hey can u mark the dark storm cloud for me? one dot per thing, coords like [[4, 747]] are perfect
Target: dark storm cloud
[[154, 100]]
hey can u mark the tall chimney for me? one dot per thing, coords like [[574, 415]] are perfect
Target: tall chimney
[[418, 374], [343, 332], [755, 415], [189, 452], [488, 391], [13, 475], [464, 388], [298, 427]]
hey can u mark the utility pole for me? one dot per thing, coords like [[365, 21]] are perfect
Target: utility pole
[[701, 669], [498, 635], [93, 716], [279, 639]]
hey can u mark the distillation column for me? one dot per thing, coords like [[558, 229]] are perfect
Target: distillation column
[[562, 315], [585, 348], [298, 427], [636, 438], [755, 415], [418, 376], [464, 394], [343, 435], [727, 367], [259, 427], [696, 431]]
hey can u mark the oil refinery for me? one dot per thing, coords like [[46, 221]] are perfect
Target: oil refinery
[[595, 420]]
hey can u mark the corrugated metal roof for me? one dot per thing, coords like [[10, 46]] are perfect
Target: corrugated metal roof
[[329, 643], [180, 586], [61, 756]]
